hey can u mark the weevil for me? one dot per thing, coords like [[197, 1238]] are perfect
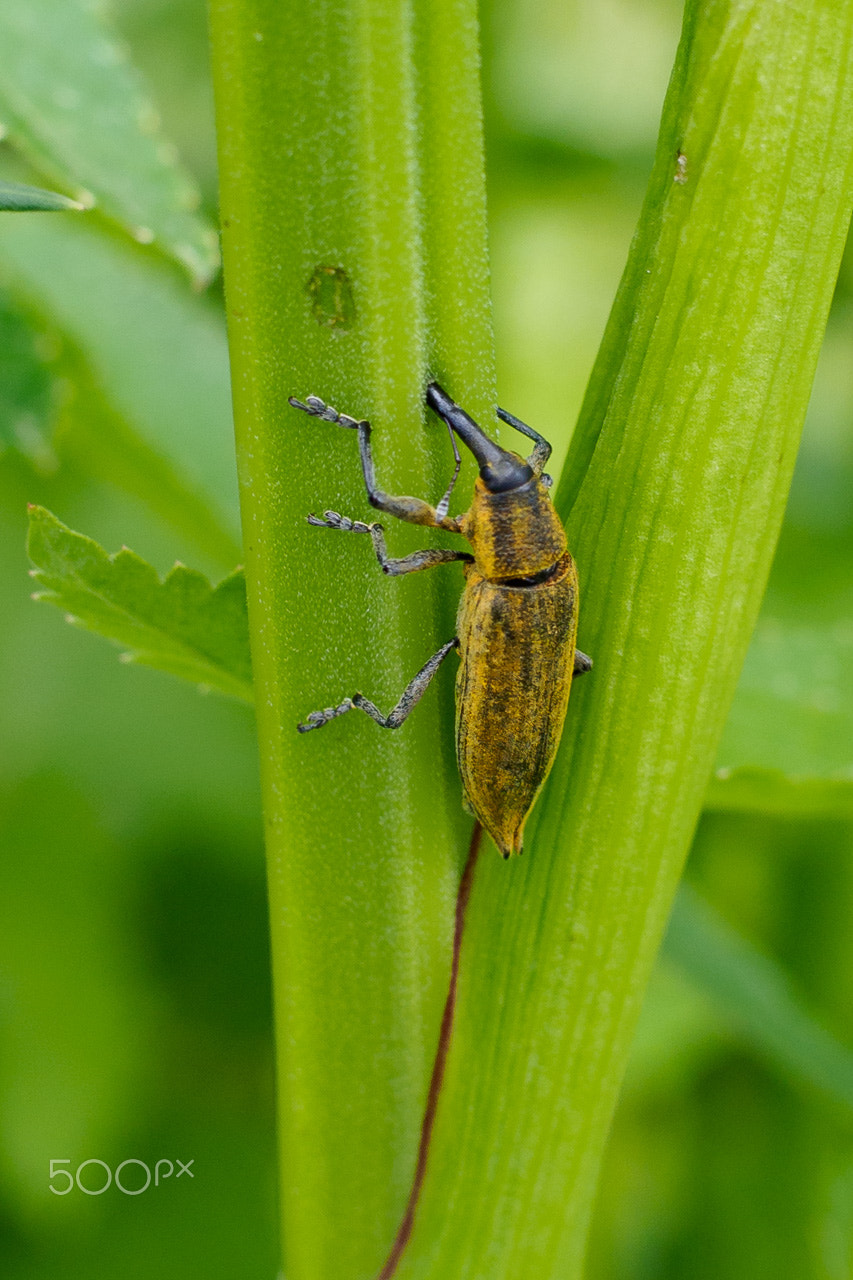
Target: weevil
[[517, 618]]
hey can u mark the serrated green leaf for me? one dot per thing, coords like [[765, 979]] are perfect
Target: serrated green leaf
[[756, 995], [19, 196], [74, 106], [181, 624]]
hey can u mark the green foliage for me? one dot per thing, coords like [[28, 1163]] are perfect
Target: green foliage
[[142, 371], [755, 995], [28, 392], [73, 1051], [181, 625], [74, 107], [809, 669], [793, 714], [19, 196]]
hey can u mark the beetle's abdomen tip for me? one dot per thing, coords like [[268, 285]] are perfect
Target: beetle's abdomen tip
[[507, 846]]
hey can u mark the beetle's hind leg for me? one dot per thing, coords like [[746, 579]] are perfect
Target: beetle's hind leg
[[541, 448], [414, 510], [412, 695], [426, 559]]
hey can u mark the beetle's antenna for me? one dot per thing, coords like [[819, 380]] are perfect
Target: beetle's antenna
[[404, 1231], [443, 506], [542, 449]]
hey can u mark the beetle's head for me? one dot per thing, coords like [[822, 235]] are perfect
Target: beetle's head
[[508, 472], [500, 470]]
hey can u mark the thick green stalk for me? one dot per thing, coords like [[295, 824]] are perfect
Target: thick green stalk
[[674, 494], [355, 262]]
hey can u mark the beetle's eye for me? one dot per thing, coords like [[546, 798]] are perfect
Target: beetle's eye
[[507, 473]]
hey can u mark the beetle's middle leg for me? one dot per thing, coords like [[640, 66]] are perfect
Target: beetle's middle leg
[[414, 510], [426, 559], [412, 695]]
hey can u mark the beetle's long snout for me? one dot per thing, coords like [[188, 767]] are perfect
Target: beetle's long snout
[[499, 470], [487, 453]]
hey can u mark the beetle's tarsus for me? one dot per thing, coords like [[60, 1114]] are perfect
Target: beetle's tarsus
[[317, 719], [319, 409], [334, 520]]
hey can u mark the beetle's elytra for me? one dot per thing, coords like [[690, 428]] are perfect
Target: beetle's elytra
[[517, 618]]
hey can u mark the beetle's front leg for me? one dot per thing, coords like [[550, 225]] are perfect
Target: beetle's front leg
[[414, 510], [426, 559], [412, 695]]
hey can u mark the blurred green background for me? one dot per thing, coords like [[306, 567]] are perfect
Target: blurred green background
[[134, 987]]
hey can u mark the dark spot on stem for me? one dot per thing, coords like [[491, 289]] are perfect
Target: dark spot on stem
[[332, 301]]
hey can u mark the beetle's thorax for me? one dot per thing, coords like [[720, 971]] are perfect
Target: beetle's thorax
[[515, 534]]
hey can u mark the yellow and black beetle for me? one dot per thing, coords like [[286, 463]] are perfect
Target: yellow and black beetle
[[517, 618]]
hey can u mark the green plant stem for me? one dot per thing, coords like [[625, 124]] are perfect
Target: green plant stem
[[674, 495], [355, 264]]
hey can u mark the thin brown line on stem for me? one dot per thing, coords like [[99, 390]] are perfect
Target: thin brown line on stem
[[404, 1231]]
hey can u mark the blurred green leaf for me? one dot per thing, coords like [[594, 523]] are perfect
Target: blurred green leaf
[[756, 994], [21, 196], [28, 392], [74, 106], [94, 433], [589, 78], [679, 1031], [147, 363], [74, 1031], [182, 625], [773, 792], [171, 47], [791, 723]]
